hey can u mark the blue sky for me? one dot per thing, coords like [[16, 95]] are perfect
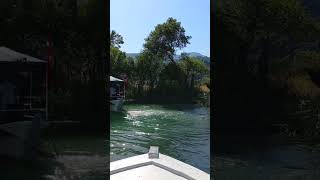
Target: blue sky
[[135, 19]]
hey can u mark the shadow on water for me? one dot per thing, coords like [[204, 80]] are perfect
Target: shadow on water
[[264, 157], [118, 115], [12, 169]]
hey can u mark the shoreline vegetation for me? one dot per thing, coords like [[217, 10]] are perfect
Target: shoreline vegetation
[[267, 68], [156, 99], [74, 35], [154, 75]]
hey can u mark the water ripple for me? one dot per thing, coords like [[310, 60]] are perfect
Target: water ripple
[[182, 133]]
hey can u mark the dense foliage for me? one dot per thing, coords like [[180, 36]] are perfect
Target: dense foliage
[[154, 75], [166, 38], [78, 32], [267, 58]]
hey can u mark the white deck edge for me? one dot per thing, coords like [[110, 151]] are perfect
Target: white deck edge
[[165, 162]]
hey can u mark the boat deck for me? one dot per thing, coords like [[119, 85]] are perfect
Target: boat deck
[[147, 172], [154, 166]]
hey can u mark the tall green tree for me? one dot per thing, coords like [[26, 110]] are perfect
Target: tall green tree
[[193, 69], [250, 37], [166, 39], [116, 39], [117, 61], [79, 49], [267, 29], [149, 67]]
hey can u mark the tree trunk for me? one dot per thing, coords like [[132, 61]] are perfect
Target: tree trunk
[[192, 82], [264, 61]]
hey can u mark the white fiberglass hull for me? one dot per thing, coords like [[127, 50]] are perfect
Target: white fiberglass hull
[[143, 167]]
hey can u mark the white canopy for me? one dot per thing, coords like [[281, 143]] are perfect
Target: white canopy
[[114, 79], [9, 55]]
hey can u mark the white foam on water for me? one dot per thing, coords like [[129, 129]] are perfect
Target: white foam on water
[[140, 133], [143, 113]]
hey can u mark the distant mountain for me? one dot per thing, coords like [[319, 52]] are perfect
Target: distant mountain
[[204, 58], [195, 54], [133, 55]]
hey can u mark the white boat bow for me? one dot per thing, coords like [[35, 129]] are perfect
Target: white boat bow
[[156, 166]]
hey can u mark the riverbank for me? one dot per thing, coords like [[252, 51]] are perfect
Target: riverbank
[[203, 101], [200, 95]]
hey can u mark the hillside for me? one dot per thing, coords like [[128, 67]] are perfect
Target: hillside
[[204, 58]]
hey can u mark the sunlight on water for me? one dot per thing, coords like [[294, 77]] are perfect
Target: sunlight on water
[[180, 131], [143, 113]]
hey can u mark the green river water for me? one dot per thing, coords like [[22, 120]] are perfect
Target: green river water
[[180, 131]]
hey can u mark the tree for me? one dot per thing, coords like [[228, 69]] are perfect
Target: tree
[[149, 68], [194, 69], [117, 61], [252, 38], [266, 29], [79, 49], [166, 39], [116, 39]]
